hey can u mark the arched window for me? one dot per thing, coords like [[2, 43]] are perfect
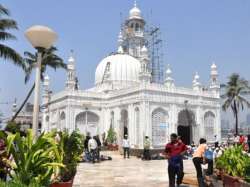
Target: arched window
[[136, 27], [62, 121], [87, 122], [159, 127], [137, 125], [209, 123]]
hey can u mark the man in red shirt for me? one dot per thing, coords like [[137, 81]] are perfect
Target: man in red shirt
[[174, 152]]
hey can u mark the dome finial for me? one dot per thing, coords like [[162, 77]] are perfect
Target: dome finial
[[135, 4], [120, 49]]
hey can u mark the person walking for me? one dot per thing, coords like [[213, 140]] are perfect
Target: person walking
[[86, 147], [174, 152], [126, 146], [92, 146], [146, 152], [198, 159]]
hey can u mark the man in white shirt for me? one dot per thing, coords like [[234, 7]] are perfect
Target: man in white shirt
[[126, 146], [92, 145]]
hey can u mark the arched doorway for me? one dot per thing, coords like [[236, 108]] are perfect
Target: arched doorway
[[209, 125], [124, 123], [186, 120], [87, 122], [62, 124]]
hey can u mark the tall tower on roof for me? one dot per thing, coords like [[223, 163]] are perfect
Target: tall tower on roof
[[71, 83], [133, 33]]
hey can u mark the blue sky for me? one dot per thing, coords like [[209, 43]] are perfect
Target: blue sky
[[195, 33]]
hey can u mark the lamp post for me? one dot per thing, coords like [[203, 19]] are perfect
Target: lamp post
[[41, 38]]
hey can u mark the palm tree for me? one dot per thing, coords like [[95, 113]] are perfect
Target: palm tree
[[6, 24], [235, 89], [49, 58]]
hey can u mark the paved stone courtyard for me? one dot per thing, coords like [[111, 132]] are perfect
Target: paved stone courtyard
[[131, 172]]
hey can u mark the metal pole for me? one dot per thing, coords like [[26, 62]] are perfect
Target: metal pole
[[37, 95]]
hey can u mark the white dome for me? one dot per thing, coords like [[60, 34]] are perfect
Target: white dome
[[123, 67]]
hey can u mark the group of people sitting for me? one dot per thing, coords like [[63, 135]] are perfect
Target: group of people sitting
[[92, 148]]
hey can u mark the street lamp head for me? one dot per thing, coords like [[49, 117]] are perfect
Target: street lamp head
[[40, 36]]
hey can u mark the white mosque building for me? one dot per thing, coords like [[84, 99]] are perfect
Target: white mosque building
[[125, 97]]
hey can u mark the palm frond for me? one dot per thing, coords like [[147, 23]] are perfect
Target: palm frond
[[245, 101], [8, 24], [30, 55], [6, 36], [4, 10], [226, 104], [10, 54]]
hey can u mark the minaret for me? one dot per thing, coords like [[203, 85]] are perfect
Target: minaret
[[71, 73], [144, 75], [120, 39], [46, 93], [196, 82], [214, 82], [133, 33], [14, 108], [169, 81]]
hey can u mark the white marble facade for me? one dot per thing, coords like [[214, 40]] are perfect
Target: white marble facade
[[125, 97]]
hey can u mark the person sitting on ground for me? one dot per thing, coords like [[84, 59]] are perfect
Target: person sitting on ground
[[146, 153], [92, 146]]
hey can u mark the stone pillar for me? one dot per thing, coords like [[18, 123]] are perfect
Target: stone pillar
[[131, 125], [174, 119], [218, 122], [199, 129]]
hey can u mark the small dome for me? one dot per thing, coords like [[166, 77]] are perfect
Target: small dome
[[213, 66], [46, 78], [144, 49], [71, 60], [135, 12], [196, 77], [123, 67], [168, 72]]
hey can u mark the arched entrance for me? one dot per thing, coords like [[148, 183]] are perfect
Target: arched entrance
[[87, 122], [186, 120], [124, 123]]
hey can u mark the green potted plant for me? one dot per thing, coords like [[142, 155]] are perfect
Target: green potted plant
[[71, 148], [234, 164], [35, 159], [111, 139]]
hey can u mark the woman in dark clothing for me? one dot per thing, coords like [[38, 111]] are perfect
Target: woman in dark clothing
[[198, 159]]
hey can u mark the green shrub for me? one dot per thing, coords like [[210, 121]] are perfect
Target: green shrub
[[15, 183], [13, 127], [71, 147], [234, 162], [111, 137], [35, 159]]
